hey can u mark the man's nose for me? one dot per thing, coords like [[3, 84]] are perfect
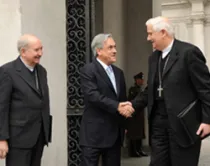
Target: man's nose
[[40, 53], [115, 50]]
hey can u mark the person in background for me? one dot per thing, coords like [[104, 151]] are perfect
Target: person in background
[[135, 125]]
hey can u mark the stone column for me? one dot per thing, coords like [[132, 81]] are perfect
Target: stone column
[[198, 18], [114, 23]]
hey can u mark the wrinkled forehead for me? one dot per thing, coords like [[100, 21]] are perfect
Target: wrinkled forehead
[[109, 41], [35, 43]]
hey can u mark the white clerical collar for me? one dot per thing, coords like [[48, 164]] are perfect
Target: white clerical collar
[[167, 49], [29, 67], [105, 66]]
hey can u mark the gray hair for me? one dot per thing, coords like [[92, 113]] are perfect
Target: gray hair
[[98, 42], [22, 43], [159, 23]]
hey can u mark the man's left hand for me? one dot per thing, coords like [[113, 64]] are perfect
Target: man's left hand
[[203, 130]]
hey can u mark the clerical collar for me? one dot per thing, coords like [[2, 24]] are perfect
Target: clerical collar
[[105, 66], [29, 67], [167, 49]]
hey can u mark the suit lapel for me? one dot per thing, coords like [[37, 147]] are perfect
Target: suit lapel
[[154, 64], [103, 74], [40, 79], [23, 72], [173, 56]]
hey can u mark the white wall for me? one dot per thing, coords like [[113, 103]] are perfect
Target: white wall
[[10, 29], [46, 19], [192, 22]]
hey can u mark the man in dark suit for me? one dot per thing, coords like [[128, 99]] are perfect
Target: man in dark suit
[[103, 86], [177, 77], [24, 106]]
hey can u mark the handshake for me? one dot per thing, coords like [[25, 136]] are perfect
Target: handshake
[[125, 109]]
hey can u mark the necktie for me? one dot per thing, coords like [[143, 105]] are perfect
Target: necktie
[[111, 77]]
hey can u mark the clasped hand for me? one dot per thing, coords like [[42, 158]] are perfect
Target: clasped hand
[[204, 130], [126, 109]]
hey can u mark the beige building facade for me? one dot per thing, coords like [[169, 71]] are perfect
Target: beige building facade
[[124, 19]]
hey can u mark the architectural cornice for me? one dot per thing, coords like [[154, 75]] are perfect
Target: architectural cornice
[[198, 17], [191, 19], [207, 20], [204, 1], [175, 20], [176, 5], [181, 4]]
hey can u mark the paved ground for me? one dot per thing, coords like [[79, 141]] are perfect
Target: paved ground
[[144, 161]]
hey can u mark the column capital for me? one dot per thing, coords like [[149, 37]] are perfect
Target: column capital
[[198, 18], [198, 11], [197, 1]]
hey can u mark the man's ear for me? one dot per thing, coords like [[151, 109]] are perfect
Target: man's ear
[[98, 51], [22, 51], [164, 32]]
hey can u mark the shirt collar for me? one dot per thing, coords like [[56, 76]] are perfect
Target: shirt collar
[[167, 49], [105, 66], [29, 67]]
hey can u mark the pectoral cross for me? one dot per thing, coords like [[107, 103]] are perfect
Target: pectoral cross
[[160, 89]]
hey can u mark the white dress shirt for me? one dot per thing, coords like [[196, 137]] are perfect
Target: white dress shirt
[[109, 72], [167, 50]]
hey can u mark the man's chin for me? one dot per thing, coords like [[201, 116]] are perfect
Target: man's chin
[[37, 62], [114, 61], [154, 46]]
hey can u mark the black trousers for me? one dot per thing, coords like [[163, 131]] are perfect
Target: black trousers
[[110, 156], [26, 157], [165, 150]]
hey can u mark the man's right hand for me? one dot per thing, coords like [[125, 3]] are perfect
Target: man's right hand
[[3, 149], [125, 109]]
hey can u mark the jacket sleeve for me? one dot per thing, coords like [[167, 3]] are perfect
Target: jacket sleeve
[[200, 77], [92, 93], [5, 96], [140, 101]]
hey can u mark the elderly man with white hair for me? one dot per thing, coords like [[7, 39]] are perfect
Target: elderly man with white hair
[[25, 121], [177, 96]]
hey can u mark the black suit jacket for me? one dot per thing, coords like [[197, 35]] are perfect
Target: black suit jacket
[[101, 123], [23, 109], [185, 79]]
